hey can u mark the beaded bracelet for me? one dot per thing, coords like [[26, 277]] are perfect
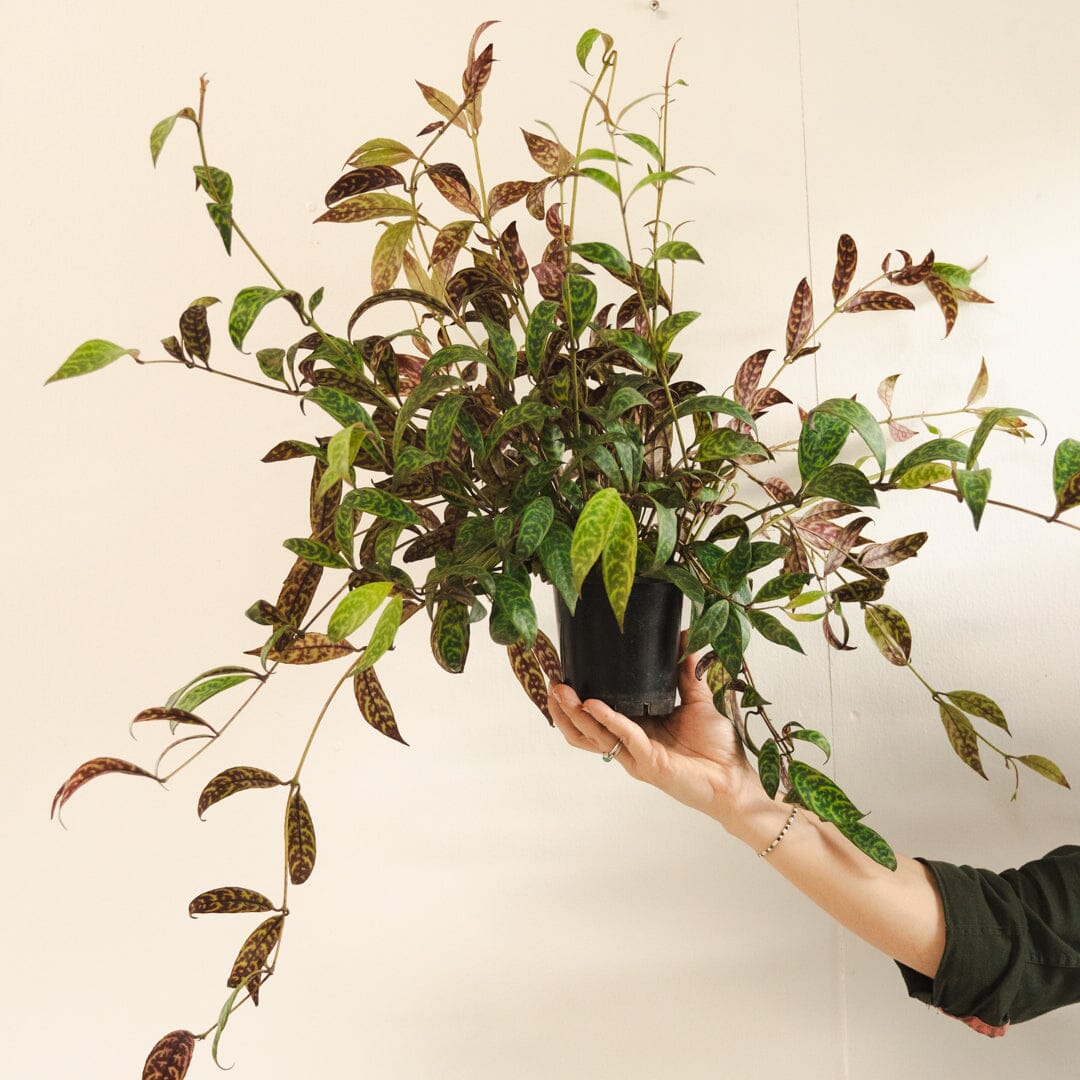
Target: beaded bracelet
[[783, 833]]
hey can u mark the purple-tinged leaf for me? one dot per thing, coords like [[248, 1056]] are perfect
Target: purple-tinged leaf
[[172, 346], [879, 556], [900, 432], [452, 184], [170, 1057], [800, 318], [368, 206], [943, 293], [847, 258], [476, 75], [748, 377], [234, 779], [228, 900], [778, 489], [534, 199], [299, 838], [369, 178], [90, 770], [962, 737], [174, 717], [890, 633], [507, 193], [309, 648], [551, 156], [253, 955], [530, 674], [885, 390], [845, 541], [877, 300], [840, 643], [908, 274], [374, 705], [298, 591], [514, 253], [549, 279], [194, 328], [548, 656]]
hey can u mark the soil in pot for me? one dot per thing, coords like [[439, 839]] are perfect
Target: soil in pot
[[633, 671]]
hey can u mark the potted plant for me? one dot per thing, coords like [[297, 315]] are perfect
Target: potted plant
[[518, 417]]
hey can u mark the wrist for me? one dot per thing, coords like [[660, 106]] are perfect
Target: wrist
[[752, 817]]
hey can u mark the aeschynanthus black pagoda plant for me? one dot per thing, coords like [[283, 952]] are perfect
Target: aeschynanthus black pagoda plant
[[521, 417]]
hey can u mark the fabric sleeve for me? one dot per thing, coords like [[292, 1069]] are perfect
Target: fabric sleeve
[[1012, 940]]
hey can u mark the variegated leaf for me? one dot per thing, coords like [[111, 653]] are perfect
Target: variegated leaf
[[374, 705], [548, 656], [943, 293], [232, 780], [90, 770], [962, 737], [254, 953], [170, 1057], [890, 632], [299, 838], [800, 318], [877, 300], [847, 258], [552, 157], [229, 899], [530, 674]]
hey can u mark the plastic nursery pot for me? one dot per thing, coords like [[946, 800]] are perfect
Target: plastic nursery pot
[[635, 672]]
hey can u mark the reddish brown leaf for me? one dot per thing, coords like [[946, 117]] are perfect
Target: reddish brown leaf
[[549, 278], [452, 184], [369, 178], [554, 224], [847, 258], [299, 838], [797, 561], [476, 75], [507, 193], [172, 347], [845, 541], [971, 296], [174, 716], [980, 385], [908, 274], [443, 104], [90, 770], [548, 656], [840, 643], [309, 648], [877, 556], [253, 954], [1069, 496], [234, 779], [451, 239], [298, 591], [514, 253], [877, 300], [945, 296], [778, 490], [748, 377], [965, 742], [900, 432], [196, 332], [534, 200], [170, 1057], [800, 318], [373, 703], [476, 37], [530, 674], [766, 399], [288, 450], [229, 899], [551, 156]]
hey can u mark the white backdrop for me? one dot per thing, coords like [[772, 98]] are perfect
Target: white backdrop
[[488, 903]]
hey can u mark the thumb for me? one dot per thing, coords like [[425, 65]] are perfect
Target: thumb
[[691, 688]]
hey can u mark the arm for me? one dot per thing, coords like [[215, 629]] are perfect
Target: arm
[[695, 757]]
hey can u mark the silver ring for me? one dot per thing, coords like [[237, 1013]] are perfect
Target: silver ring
[[613, 753]]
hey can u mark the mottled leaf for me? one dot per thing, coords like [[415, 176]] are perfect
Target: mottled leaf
[[592, 531], [781, 586], [876, 300], [822, 795], [724, 443], [536, 519], [310, 648], [229, 900], [171, 1055], [90, 770], [382, 637], [976, 704], [847, 258], [356, 608], [580, 301], [90, 356], [869, 843], [605, 255], [1044, 767], [552, 157], [298, 591], [861, 419], [748, 377], [161, 131], [890, 632], [506, 194], [299, 838], [821, 438], [995, 418], [707, 627], [255, 951], [548, 657], [524, 412], [388, 254], [530, 674], [314, 551], [943, 293], [368, 178], [374, 705], [369, 206], [245, 310], [772, 629], [843, 482], [878, 556], [443, 104], [965, 742], [800, 318], [191, 699], [1066, 472], [513, 615], [195, 330], [974, 487], [234, 779], [382, 504], [450, 636], [815, 738], [768, 764], [557, 563], [934, 450], [451, 183]]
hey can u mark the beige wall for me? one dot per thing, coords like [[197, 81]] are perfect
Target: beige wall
[[487, 903]]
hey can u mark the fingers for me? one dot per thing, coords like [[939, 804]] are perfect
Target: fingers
[[691, 688], [597, 727]]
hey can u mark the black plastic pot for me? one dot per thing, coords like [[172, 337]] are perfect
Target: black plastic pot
[[635, 672]]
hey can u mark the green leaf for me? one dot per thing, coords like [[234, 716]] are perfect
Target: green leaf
[[389, 252], [605, 179], [724, 443], [90, 356], [654, 179], [537, 330], [592, 531], [667, 533], [369, 205], [344, 409], [381, 504], [1066, 470], [450, 636], [427, 389], [768, 764], [634, 344], [974, 487], [272, 363], [580, 299], [965, 742], [454, 354], [919, 476], [843, 482], [221, 216], [707, 626], [605, 255], [441, 424], [619, 561], [976, 704], [815, 738], [536, 519], [513, 616], [715, 403], [525, 412], [217, 183], [890, 632], [557, 564], [587, 41], [822, 795], [355, 609], [675, 249], [340, 455], [730, 643], [622, 399], [934, 450], [869, 843], [671, 326], [194, 696], [1044, 767], [246, 307], [955, 275], [646, 144], [781, 586], [988, 423], [162, 130], [772, 629], [822, 437], [382, 637], [315, 552], [503, 346], [686, 580], [861, 419]]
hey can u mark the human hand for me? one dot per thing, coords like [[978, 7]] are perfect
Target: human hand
[[694, 755]]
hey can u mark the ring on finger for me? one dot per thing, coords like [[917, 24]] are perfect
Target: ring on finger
[[613, 753]]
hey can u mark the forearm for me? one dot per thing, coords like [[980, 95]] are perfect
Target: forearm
[[898, 912]]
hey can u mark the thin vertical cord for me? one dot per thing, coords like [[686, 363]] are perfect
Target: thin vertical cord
[[841, 952]]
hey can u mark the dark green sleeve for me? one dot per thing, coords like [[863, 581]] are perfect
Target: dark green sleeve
[[1012, 940]]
